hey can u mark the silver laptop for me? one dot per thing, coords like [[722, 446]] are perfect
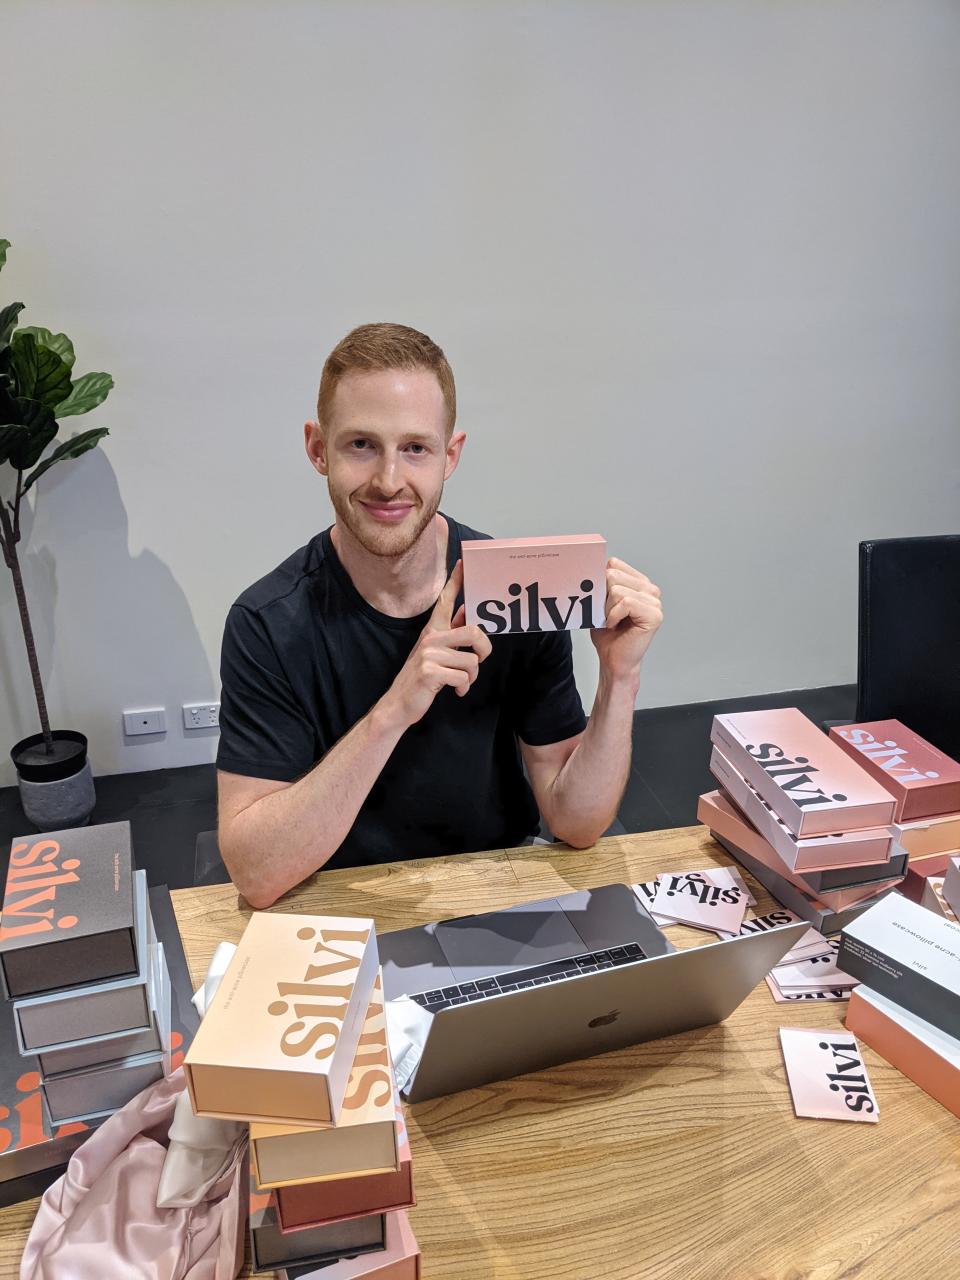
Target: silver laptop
[[563, 978]]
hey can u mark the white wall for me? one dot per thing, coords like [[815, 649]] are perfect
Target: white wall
[[696, 266]]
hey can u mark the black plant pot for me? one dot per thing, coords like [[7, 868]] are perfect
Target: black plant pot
[[56, 788]]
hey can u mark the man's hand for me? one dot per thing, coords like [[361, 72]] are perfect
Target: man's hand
[[447, 653], [633, 614]]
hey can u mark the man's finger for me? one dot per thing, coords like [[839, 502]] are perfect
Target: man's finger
[[459, 618], [441, 618], [467, 638]]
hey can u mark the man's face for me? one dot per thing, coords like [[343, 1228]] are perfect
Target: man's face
[[386, 456]]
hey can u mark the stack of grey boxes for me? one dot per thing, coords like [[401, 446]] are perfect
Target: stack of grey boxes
[[81, 963]]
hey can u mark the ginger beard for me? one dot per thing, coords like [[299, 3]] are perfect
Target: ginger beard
[[380, 538]]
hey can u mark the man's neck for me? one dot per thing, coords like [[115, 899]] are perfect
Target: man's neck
[[400, 586]]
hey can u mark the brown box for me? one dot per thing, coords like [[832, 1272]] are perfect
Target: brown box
[[279, 1039], [920, 869], [310, 1204], [364, 1139], [68, 910], [272, 1248]]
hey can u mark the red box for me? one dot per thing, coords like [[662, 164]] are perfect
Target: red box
[[918, 869], [924, 781]]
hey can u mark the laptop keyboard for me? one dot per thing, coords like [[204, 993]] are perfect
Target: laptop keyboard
[[536, 976]]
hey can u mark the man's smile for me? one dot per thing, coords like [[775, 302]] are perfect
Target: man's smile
[[387, 512]]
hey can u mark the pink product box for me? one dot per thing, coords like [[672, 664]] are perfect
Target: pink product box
[[805, 777], [719, 813], [924, 782], [520, 585], [806, 853]]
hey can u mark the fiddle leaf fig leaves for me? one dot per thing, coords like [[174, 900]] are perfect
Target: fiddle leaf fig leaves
[[72, 448]]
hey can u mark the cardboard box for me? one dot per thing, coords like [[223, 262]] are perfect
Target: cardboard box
[[918, 1049], [808, 853], [717, 811], [91, 1051], [400, 1260], [823, 918], [513, 585], [280, 1036], [311, 1204], [925, 837], [908, 954], [364, 1139], [271, 1248], [924, 781], [806, 778], [918, 872], [68, 910], [103, 1008]]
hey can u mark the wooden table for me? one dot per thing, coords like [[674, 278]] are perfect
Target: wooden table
[[679, 1158]]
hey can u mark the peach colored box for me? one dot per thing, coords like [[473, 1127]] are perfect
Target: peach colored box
[[279, 1039], [924, 837], [919, 1050], [364, 1139], [720, 814], [805, 777], [801, 853], [520, 585], [924, 781]]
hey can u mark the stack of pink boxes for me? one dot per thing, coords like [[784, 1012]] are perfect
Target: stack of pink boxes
[[803, 816]]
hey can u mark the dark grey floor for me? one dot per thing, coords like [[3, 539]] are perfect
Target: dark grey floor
[[167, 808]]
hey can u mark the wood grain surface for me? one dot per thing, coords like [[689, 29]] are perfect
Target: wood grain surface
[[679, 1159]]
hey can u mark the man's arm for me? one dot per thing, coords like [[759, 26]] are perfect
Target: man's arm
[[272, 834], [579, 782]]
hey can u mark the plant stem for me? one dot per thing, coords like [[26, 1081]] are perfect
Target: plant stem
[[9, 543]]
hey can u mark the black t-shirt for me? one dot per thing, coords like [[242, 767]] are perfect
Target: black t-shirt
[[305, 657]]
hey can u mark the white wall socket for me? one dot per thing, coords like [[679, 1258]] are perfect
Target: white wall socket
[[201, 715], [149, 720]]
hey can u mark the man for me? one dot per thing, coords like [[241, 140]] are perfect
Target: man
[[361, 721]]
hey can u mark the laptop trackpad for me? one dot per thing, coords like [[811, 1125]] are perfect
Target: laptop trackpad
[[530, 933]]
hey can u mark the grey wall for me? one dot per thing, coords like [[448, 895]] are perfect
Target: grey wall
[[696, 266]]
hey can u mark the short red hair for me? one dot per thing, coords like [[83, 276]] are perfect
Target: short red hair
[[372, 347]]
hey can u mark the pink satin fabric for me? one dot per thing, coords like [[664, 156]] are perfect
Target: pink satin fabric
[[100, 1221]]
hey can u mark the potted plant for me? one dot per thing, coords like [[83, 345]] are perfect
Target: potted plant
[[37, 388]]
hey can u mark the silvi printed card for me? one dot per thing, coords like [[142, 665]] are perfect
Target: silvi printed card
[[827, 1075]]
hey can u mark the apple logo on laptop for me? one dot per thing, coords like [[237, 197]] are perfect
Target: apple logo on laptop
[[605, 1019]]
